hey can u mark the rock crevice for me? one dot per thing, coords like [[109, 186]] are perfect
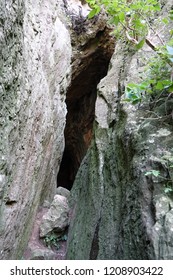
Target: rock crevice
[[90, 61]]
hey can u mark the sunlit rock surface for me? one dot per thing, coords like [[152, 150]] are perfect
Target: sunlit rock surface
[[35, 68]]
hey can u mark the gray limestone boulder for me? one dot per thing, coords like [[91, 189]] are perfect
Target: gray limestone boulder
[[57, 217], [64, 192], [43, 254]]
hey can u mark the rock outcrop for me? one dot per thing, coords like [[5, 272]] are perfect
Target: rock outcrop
[[50, 51], [56, 122], [118, 211], [64, 192], [56, 219], [42, 248], [92, 48], [35, 73]]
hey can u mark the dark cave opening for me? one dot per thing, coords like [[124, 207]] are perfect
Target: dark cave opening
[[66, 173], [88, 69], [78, 135]]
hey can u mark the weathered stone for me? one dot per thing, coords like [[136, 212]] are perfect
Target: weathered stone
[[48, 57], [43, 254], [93, 46], [64, 192], [43, 248], [37, 40], [117, 210], [57, 217], [35, 61]]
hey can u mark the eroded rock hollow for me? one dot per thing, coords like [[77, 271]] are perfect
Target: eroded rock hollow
[[118, 211], [64, 122], [89, 67]]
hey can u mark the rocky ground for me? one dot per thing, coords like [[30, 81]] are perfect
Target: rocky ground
[[36, 249]]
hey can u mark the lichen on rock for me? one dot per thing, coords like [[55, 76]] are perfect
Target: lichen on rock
[[57, 217], [35, 72], [63, 113], [127, 214]]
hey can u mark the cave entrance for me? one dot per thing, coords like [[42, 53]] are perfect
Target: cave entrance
[[88, 69]]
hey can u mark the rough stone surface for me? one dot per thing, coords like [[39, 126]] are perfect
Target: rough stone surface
[[57, 217], [51, 52], [35, 67], [64, 192], [93, 47], [118, 211], [37, 249], [45, 46]]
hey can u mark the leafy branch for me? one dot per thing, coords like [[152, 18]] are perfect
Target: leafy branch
[[131, 18], [158, 80], [132, 21]]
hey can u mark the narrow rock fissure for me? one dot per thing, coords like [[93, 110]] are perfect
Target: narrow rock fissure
[[78, 135], [89, 65], [81, 97]]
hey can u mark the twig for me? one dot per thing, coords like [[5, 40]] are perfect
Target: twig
[[133, 40], [159, 118], [152, 29]]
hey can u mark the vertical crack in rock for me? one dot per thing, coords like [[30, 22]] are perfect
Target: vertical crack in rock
[[89, 67], [95, 244]]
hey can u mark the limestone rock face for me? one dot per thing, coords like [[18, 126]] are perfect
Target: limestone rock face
[[35, 72], [118, 211], [45, 47], [52, 60], [57, 217]]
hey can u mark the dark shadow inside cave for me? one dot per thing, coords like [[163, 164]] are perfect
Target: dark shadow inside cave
[[65, 175], [88, 70], [78, 135]]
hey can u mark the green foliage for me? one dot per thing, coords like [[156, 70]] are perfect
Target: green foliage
[[171, 14], [94, 12], [156, 81], [129, 17], [52, 240], [168, 190], [132, 21], [155, 173], [170, 53], [167, 162], [134, 92]]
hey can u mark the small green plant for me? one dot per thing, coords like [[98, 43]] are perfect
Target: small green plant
[[153, 172], [53, 241], [168, 160], [156, 173], [157, 81], [133, 92], [168, 190]]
